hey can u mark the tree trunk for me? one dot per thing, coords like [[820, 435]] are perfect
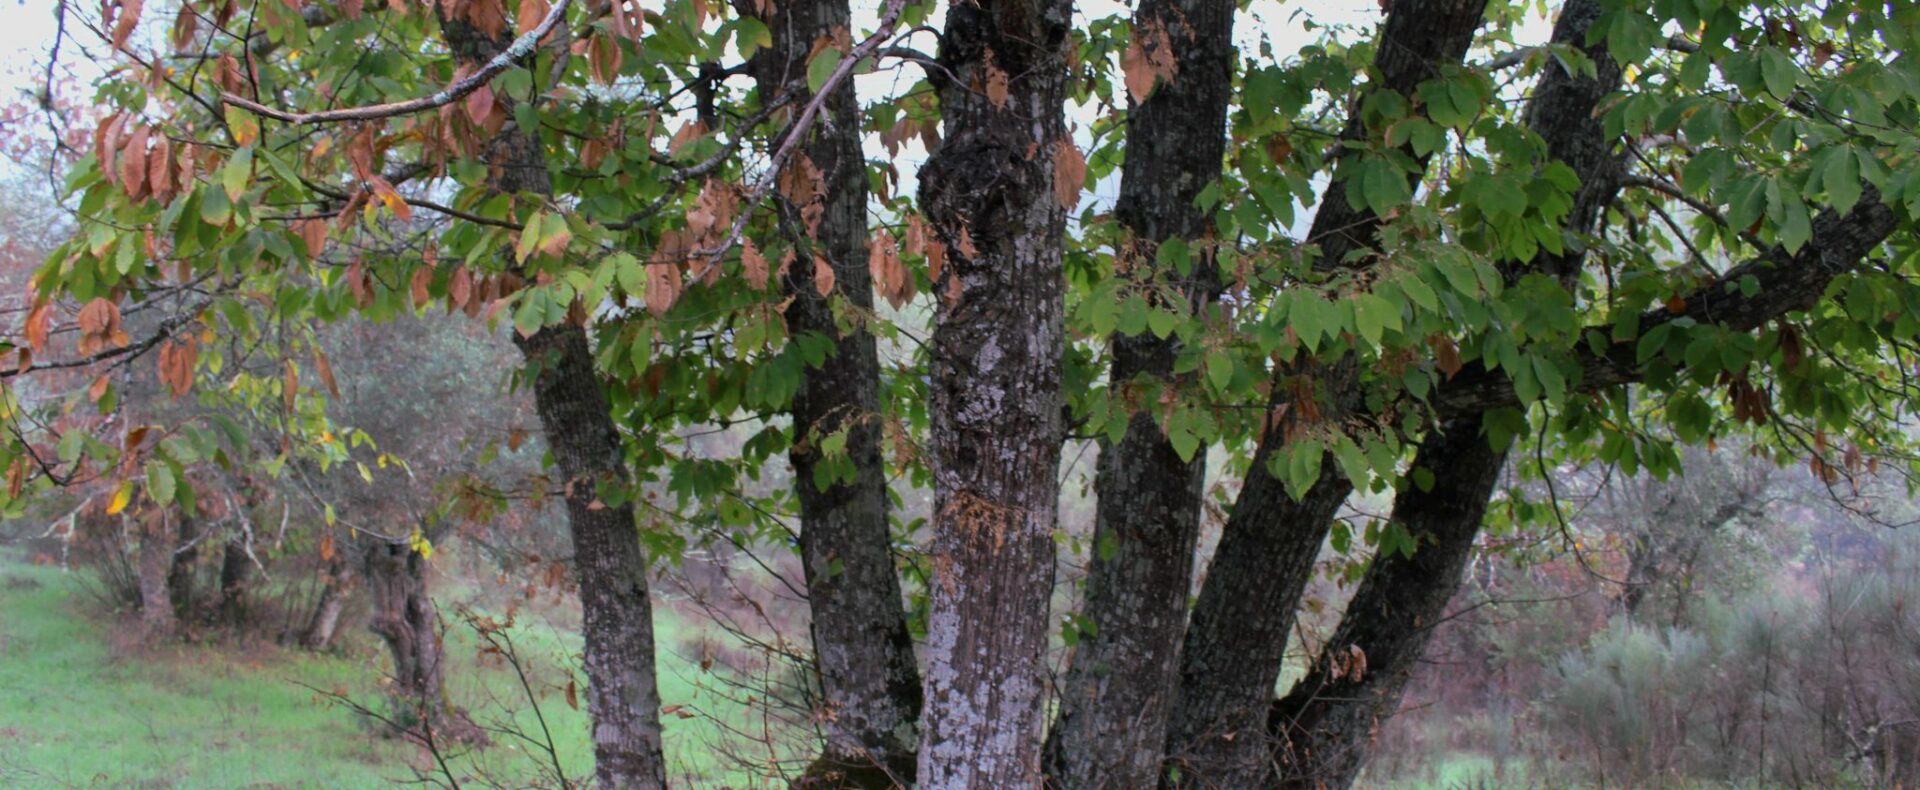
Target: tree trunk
[[325, 620], [1118, 690], [576, 419], [152, 564], [236, 579], [868, 679], [180, 572], [995, 405], [1236, 642], [1326, 725], [404, 617]]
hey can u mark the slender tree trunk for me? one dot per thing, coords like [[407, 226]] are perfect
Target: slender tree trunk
[[1118, 690], [325, 620], [576, 419], [868, 678], [152, 564], [1325, 726], [1236, 642], [995, 389]]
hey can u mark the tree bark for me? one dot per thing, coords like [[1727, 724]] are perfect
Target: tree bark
[[577, 422], [236, 579], [1118, 691], [1236, 643], [1325, 726], [868, 679], [995, 405], [153, 562], [180, 572], [405, 619], [324, 623]]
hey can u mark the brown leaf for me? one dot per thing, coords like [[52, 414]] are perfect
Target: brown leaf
[[755, 264], [289, 385], [1147, 59], [422, 278], [125, 21], [822, 275], [515, 438], [573, 696], [687, 134], [99, 389], [185, 24], [663, 287], [325, 369], [603, 59], [479, 105], [326, 547], [459, 288], [160, 168], [531, 12], [314, 233], [39, 320], [1069, 173], [997, 88], [1445, 354], [1677, 304], [133, 164]]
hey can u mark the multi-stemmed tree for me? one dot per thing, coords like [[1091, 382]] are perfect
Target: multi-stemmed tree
[[1693, 214]]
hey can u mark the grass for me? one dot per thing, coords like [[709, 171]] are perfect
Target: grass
[[82, 708]]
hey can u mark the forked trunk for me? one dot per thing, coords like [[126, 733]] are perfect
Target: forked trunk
[[1118, 690]]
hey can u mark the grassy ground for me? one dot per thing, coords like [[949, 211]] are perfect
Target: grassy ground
[[81, 706]]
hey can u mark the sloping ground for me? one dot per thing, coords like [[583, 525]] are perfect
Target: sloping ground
[[81, 706]]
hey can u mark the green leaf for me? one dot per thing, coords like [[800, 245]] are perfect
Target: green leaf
[[821, 68], [1842, 180], [1219, 369], [160, 482], [233, 177]]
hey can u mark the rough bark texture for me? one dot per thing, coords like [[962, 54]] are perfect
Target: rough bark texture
[[868, 678], [1118, 690], [324, 623], [1326, 725], [576, 419], [1236, 643], [995, 390]]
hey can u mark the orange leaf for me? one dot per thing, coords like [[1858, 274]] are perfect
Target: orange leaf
[[290, 385], [755, 264], [822, 275], [1069, 173], [663, 287], [997, 88], [98, 390], [325, 369]]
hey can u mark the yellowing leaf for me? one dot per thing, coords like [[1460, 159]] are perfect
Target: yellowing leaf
[[121, 497]]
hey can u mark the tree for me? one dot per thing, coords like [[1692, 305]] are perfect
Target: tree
[[1689, 214]]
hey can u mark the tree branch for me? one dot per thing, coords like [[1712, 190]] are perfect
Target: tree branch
[[519, 49]]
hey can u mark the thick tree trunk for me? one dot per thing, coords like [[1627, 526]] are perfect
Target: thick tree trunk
[[1326, 725], [405, 619], [995, 389], [1236, 642], [236, 580], [868, 678], [576, 419], [324, 623], [152, 564], [1118, 690]]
